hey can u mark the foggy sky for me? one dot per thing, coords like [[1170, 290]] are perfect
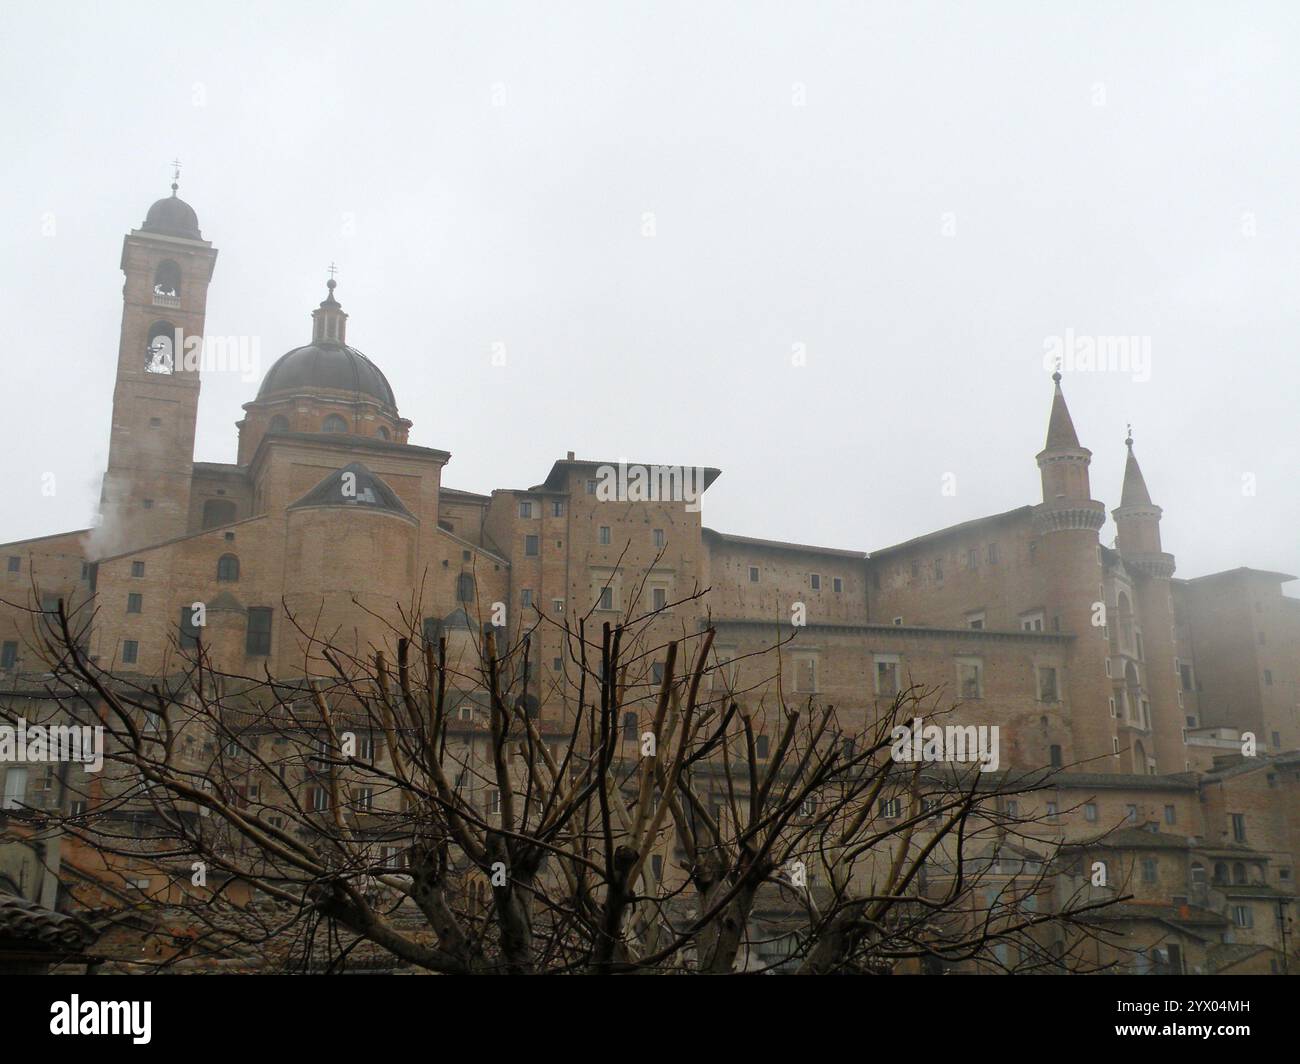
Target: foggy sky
[[916, 196]]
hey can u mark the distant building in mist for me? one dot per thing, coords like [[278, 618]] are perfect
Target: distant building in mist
[[1097, 659]]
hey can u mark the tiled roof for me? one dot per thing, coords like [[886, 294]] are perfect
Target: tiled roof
[[25, 922]]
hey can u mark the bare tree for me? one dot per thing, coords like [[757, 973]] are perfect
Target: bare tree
[[444, 810]]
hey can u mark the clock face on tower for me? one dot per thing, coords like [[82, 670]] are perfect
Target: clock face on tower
[[158, 357]]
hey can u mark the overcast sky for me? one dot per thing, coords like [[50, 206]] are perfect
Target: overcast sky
[[912, 199]]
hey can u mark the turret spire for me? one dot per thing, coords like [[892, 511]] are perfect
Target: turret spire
[[1135, 488], [1060, 427]]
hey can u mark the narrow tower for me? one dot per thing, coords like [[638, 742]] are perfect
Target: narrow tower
[[1068, 560], [146, 490], [1137, 525]]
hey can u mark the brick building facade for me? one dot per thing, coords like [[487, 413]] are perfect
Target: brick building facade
[[1097, 660]]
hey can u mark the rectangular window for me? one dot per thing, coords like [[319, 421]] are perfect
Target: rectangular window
[[886, 677], [1131, 813], [993, 554], [9, 654], [134, 602], [972, 559], [837, 585], [660, 540], [525, 510], [137, 568], [916, 568], [1238, 827], [557, 509], [975, 620], [1054, 752], [1243, 916], [938, 568], [970, 678], [604, 536], [258, 638], [557, 605], [1185, 676], [606, 598], [15, 563], [1031, 622], [531, 548], [130, 651], [753, 574], [1090, 812], [890, 808], [15, 787], [815, 581], [805, 675], [189, 630], [591, 487], [1148, 869], [1047, 685], [1268, 677], [630, 721], [526, 598], [494, 802], [1171, 815], [659, 597], [1051, 810]]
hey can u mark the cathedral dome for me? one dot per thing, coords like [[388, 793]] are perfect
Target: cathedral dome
[[327, 365], [173, 217]]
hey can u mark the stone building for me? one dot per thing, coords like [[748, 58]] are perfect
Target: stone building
[[1145, 689]]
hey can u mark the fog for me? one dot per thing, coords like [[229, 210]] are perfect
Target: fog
[[832, 250]]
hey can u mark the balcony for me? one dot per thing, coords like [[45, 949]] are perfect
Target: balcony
[[161, 300]]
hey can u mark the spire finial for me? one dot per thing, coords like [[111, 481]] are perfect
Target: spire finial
[[176, 175], [1056, 375], [1129, 441], [331, 284]]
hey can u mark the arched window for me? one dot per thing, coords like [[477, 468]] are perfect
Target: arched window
[[279, 423], [228, 567], [1198, 873], [465, 588], [167, 280], [1220, 872], [1125, 610], [382, 433], [218, 512], [1239, 874], [159, 356], [334, 423]]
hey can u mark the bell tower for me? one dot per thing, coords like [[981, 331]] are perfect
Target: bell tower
[[146, 491]]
